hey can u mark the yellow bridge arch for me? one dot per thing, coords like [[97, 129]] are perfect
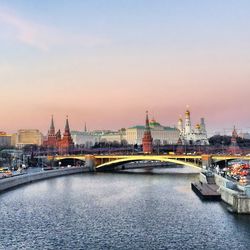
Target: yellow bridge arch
[[101, 162], [112, 162]]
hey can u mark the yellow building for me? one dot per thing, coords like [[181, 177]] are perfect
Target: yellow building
[[28, 137]]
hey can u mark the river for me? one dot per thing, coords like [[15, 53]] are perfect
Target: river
[[147, 210]]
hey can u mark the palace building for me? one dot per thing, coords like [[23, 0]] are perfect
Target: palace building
[[162, 135]]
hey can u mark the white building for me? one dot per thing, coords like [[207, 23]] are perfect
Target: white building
[[160, 134], [83, 138], [189, 135], [114, 136]]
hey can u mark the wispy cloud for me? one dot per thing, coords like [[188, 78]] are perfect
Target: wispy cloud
[[23, 30], [41, 36]]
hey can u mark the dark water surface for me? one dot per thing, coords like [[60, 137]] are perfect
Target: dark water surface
[[117, 211]]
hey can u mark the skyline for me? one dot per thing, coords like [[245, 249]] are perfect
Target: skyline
[[105, 63]]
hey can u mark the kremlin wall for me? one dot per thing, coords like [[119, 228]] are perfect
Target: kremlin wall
[[182, 134]]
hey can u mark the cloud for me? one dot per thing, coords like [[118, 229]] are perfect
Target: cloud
[[43, 37], [24, 31]]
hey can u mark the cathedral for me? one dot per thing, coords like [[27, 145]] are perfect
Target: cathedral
[[192, 136], [55, 140]]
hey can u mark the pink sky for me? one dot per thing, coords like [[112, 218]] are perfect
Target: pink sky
[[109, 72]]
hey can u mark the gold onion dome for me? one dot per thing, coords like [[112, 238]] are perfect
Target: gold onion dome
[[198, 126], [187, 112]]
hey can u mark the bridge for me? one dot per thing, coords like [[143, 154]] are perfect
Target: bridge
[[110, 162]]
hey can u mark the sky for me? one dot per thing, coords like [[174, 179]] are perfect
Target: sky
[[107, 62]]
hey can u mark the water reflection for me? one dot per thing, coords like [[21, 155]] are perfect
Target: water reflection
[[117, 211]]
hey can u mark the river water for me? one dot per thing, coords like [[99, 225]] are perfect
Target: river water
[[117, 211]]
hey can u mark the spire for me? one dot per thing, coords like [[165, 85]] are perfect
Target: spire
[[67, 130], [234, 135], [147, 121], [85, 127], [52, 127], [66, 142], [147, 140]]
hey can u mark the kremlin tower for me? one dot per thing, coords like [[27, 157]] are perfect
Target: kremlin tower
[[147, 140], [66, 142], [234, 147], [54, 140]]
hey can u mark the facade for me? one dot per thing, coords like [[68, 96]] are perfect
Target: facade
[[147, 140], [5, 139], [189, 135], [160, 134], [114, 136], [84, 138], [28, 137]]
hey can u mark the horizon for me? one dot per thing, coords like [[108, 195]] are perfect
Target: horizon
[[90, 61]]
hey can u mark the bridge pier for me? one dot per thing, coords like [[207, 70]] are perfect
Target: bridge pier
[[206, 161], [90, 162]]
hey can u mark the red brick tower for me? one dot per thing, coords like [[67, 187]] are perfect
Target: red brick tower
[[147, 140], [234, 147], [66, 142], [51, 139]]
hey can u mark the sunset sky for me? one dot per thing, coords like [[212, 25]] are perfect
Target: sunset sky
[[106, 62]]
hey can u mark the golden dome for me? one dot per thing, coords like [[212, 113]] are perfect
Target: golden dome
[[198, 126], [187, 112]]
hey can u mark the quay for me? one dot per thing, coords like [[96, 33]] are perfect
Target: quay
[[215, 187], [14, 181]]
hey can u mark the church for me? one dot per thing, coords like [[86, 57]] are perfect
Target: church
[[189, 135]]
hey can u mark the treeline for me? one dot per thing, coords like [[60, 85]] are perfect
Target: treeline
[[217, 140]]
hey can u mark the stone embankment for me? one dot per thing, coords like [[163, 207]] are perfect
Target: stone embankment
[[233, 194], [236, 196], [15, 181]]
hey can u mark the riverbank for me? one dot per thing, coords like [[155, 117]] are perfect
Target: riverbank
[[233, 194], [15, 181]]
